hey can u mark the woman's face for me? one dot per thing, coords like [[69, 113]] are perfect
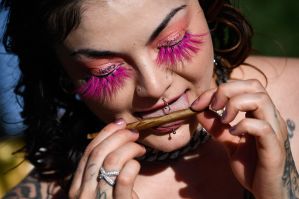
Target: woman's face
[[128, 59]]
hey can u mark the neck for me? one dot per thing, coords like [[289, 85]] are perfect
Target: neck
[[213, 83]]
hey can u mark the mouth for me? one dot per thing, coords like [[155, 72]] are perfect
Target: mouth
[[170, 127], [176, 104]]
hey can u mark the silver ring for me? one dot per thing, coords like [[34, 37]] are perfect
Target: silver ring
[[106, 175], [220, 112]]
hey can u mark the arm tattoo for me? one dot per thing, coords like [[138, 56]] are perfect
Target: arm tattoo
[[30, 188], [290, 176], [101, 195], [291, 128]]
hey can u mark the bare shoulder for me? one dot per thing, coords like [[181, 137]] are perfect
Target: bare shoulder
[[279, 75], [31, 187], [281, 79], [275, 69]]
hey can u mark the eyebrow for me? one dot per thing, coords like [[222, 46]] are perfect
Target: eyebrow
[[164, 23], [97, 54]]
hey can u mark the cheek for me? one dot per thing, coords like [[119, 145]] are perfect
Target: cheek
[[104, 88], [119, 105], [199, 24], [199, 70]]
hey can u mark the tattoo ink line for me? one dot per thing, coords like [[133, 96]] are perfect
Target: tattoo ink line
[[101, 195], [290, 176]]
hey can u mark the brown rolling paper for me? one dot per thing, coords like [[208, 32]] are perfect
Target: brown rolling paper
[[155, 121]]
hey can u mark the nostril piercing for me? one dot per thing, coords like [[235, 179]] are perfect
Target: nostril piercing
[[139, 89]]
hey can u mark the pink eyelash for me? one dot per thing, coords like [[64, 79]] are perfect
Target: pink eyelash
[[181, 50], [104, 87]]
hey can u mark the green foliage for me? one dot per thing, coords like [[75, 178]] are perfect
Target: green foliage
[[276, 25]]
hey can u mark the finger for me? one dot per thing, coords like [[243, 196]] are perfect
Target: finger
[[126, 179], [259, 105], [211, 121], [233, 88], [116, 159], [99, 153], [203, 101], [134, 195], [104, 133], [268, 145]]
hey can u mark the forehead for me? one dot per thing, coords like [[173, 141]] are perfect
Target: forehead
[[105, 19], [115, 10]]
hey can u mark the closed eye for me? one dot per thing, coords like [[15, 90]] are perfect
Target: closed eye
[[104, 85], [174, 51]]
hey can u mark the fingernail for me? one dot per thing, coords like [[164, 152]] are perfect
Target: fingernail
[[119, 121], [232, 129], [194, 103], [214, 100], [134, 131], [223, 116]]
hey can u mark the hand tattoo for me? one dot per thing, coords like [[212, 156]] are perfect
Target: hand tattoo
[[291, 128], [290, 177], [101, 195]]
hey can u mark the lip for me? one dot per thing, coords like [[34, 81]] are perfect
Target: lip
[[178, 103], [166, 128], [157, 107]]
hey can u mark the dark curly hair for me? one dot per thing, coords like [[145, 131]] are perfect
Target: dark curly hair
[[56, 122]]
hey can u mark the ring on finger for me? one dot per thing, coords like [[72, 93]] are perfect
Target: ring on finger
[[108, 176]]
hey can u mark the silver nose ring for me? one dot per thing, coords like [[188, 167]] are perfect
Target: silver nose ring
[[139, 90], [167, 108]]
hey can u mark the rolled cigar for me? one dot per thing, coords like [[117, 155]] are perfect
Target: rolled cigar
[[155, 121]]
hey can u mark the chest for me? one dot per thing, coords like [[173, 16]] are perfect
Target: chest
[[206, 175]]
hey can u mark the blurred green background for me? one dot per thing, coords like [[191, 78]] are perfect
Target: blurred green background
[[276, 25]]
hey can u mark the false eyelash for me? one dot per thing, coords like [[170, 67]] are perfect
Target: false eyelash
[[184, 49], [103, 87]]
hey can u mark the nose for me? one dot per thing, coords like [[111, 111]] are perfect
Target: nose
[[152, 80]]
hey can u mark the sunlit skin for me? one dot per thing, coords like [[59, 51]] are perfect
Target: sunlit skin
[[141, 55], [132, 60], [125, 46]]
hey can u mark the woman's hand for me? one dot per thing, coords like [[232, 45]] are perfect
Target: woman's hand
[[114, 149], [256, 143]]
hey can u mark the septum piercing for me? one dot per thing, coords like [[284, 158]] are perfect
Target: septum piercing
[[166, 111], [167, 108]]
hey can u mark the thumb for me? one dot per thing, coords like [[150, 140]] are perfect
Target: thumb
[[134, 195], [211, 122]]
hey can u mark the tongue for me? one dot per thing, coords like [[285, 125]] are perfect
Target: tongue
[[177, 105]]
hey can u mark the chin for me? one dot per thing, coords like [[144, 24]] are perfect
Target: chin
[[164, 143]]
